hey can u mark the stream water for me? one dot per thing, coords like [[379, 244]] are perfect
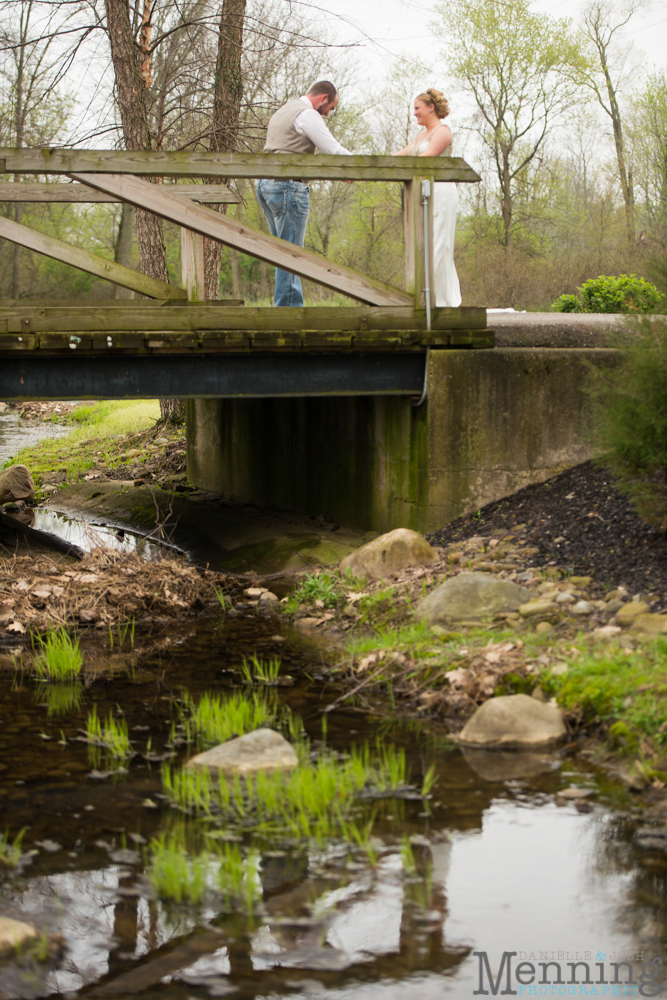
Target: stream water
[[501, 863]]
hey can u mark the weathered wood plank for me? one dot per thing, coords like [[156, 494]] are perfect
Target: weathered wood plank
[[192, 265], [81, 194], [220, 316], [86, 261], [251, 241], [250, 165]]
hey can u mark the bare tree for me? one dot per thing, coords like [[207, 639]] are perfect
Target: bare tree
[[606, 76]]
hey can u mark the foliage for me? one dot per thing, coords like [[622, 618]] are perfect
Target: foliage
[[623, 294], [175, 876], [316, 587], [518, 67], [59, 657], [111, 734], [630, 415]]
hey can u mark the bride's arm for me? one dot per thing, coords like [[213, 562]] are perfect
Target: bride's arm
[[440, 140]]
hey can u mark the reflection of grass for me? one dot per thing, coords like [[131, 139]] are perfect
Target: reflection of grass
[[261, 671], [10, 852], [111, 735], [59, 657], [60, 699], [180, 875]]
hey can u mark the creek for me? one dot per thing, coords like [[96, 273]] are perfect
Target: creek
[[500, 861]]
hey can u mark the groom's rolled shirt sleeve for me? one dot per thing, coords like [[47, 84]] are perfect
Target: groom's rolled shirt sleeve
[[310, 123]]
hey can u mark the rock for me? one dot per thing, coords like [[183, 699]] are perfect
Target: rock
[[607, 631], [649, 624], [565, 598], [612, 607], [580, 581], [306, 622], [470, 596], [16, 483], [537, 607], [582, 608], [15, 934], [543, 627], [514, 720], [261, 750], [572, 792], [269, 598], [507, 765], [627, 614], [389, 553]]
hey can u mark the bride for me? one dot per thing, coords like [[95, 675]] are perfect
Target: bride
[[436, 140]]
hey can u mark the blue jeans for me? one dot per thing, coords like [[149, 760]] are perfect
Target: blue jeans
[[286, 205]]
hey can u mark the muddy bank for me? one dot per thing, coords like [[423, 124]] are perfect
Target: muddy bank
[[222, 533]]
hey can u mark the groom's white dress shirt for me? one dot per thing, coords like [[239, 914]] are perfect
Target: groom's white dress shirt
[[311, 124]]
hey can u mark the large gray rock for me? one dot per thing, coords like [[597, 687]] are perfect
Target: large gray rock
[[15, 934], [16, 483], [262, 750], [506, 765], [389, 553], [470, 596], [513, 721]]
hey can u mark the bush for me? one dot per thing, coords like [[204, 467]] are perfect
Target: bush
[[567, 304], [630, 414], [625, 294]]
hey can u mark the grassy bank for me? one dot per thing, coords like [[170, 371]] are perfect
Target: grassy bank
[[108, 436], [610, 681]]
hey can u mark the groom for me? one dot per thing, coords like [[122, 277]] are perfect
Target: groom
[[297, 127]]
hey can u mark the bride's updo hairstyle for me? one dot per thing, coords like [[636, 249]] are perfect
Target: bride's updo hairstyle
[[437, 99]]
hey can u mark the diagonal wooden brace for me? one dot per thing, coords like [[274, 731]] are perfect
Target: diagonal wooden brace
[[155, 198], [90, 262]]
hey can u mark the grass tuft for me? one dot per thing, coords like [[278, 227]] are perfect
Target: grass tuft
[[59, 657], [260, 671], [111, 734]]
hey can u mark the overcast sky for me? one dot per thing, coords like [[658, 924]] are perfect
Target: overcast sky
[[396, 26]]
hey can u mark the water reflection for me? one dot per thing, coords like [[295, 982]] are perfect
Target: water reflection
[[498, 866], [16, 433], [89, 536]]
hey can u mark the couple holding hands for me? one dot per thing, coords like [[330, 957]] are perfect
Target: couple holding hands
[[298, 127]]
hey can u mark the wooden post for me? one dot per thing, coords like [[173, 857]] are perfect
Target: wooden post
[[413, 218], [192, 265]]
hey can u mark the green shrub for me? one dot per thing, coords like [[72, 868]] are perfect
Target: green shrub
[[625, 294], [59, 657], [630, 420], [567, 304]]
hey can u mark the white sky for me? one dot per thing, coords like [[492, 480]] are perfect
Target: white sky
[[396, 26]]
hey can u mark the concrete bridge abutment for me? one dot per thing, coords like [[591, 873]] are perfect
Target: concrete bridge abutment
[[493, 422]]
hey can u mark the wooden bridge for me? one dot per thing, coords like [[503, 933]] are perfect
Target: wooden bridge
[[180, 345]]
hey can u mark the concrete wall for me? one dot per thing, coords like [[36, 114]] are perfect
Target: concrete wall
[[493, 422]]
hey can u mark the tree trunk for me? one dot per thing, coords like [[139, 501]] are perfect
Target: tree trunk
[[132, 78], [123, 248], [228, 90]]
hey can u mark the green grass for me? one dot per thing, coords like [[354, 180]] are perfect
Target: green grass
[[260, 671], [10, 851], [214, 719], [320, 586], [91, 439], [625, 692], [58, 656], [310, 802], [110, 734]]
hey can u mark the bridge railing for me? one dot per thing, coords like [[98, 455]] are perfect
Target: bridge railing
[[110, 175]]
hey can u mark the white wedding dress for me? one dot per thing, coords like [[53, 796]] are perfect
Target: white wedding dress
[[446, 290]]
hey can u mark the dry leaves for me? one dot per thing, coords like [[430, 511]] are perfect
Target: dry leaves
[[40, 592]]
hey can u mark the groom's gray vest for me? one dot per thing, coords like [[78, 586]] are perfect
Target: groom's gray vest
[[281, 136]]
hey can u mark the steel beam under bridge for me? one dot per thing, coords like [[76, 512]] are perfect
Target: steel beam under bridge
[[211, 375]]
